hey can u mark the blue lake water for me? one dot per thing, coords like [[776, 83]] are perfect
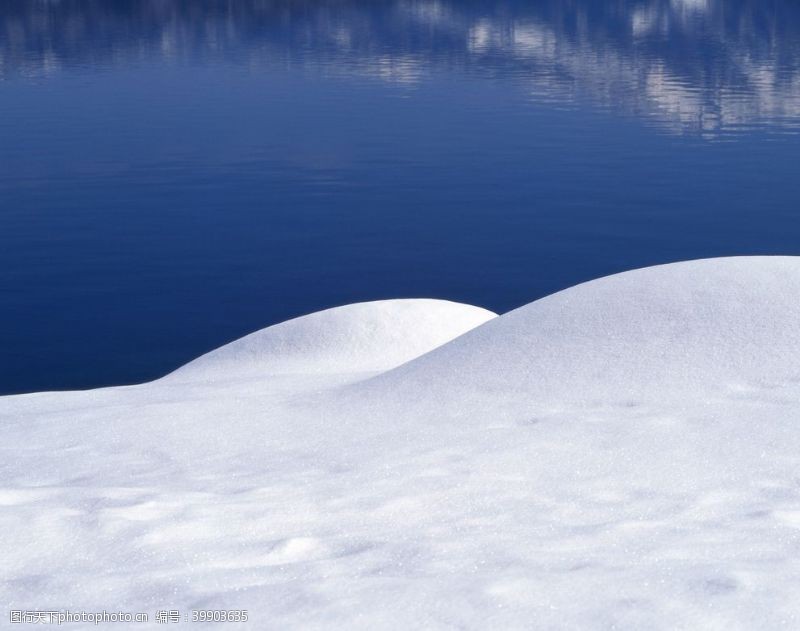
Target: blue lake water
[[176, 174]]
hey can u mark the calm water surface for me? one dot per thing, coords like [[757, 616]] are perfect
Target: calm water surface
[[174, 174]]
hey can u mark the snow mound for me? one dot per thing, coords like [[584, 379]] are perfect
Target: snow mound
[[363, 337], [673, 331]]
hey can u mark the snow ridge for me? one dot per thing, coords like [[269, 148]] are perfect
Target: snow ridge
[[685, 330], [363, 337]]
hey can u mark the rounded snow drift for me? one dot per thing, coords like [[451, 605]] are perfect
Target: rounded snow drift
[[673, 331], [364, 337]]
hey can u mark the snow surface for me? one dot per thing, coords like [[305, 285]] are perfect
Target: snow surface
[[623, 454]]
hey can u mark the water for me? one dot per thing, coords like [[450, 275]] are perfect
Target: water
[[174, 174]]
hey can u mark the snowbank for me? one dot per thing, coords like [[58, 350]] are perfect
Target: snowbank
[[622, 454], [364, 337], [689, 330]]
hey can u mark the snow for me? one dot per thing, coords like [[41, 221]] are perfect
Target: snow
[[686, 330], [364, 337], [622, 454]]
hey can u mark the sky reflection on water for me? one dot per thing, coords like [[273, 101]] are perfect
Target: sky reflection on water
[[703, 66]]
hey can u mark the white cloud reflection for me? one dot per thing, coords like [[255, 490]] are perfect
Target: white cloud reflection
[[687, 65]]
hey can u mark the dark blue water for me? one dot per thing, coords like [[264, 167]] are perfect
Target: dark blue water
[[176, 174]]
